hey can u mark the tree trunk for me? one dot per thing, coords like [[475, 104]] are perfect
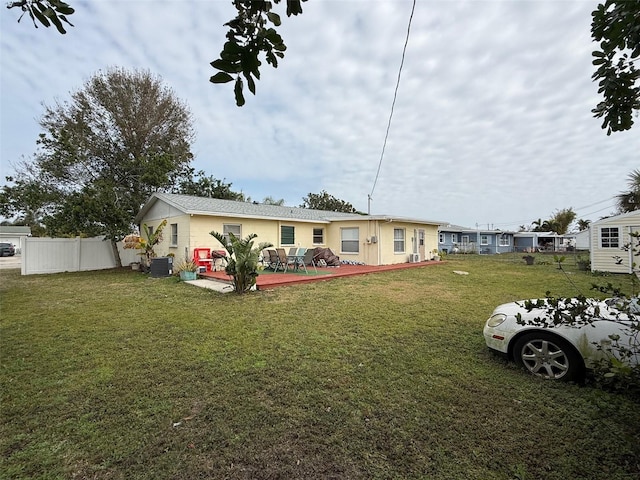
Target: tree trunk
[[116, 253]]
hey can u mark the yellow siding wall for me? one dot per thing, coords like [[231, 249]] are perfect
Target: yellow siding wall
[[381, 252], [193, 232]]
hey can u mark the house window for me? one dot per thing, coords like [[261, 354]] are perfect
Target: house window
[[609, 237], [174, 234], [318, 236], [398, 240], [504, 241], [441, 237], [349, 240], [421, 238], [287, 235], [484, 239], [465, 239], [228, 228], [454, 238]]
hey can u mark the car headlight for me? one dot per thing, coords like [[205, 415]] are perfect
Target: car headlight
[[496, 319]]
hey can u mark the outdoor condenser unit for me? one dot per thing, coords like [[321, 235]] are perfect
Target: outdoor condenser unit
[[161, 266], [414, 257]]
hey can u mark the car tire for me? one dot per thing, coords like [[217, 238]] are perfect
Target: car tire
[[548, 356]]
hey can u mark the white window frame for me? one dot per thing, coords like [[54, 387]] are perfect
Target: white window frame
[[504, 241], [235, 228], [454, 238], [319, 236], [484, 240], [441, 237], [350, 237], [293, 234], [399, 235], [174, 234], [610, 240]]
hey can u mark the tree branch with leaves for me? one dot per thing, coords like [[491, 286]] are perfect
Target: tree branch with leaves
[[616, 26]]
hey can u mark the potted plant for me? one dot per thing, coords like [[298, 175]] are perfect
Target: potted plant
[[436, 254], [187, 269]]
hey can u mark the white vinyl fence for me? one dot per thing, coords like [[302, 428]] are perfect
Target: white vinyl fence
[[53, 255]]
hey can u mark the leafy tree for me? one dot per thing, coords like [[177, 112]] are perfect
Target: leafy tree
[[101, 155], [583, 224], [26, 199], [243, 259], [562, 220], [251, 34], [47, 12], [558, 223], [630, 201], [616, 27], [201, 185], [324, 201]]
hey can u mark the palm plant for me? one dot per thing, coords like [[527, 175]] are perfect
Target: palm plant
[[243, 259], [630, 201]]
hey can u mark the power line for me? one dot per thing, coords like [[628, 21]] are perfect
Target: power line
[[503, 224], [395, 95], [596, 203]]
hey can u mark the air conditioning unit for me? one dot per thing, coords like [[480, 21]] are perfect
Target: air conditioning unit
[[414, 257], [374, 239]]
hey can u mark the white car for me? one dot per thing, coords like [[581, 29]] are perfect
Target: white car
[[562, 351]]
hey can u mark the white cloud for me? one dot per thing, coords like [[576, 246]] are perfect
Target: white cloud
[[492, 122]]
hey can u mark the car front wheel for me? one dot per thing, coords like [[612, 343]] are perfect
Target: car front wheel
[[548, 356]]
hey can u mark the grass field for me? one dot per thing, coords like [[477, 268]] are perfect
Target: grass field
[[115, 375]]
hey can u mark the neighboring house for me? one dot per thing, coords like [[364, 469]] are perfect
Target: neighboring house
[[371, 239], [543, 242], [612, 245], [14, 235], [583, 240], [457, 239]]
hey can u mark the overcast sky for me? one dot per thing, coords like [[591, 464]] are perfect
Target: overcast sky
[[492, 123]]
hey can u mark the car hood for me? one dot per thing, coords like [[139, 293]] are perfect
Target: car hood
[[607, 309]]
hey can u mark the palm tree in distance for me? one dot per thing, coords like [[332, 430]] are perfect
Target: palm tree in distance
[[630, 201]]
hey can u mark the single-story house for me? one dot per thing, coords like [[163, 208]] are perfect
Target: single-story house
[[370, 239], [613, 248], [14, 235], [543, 242], [457, 239]]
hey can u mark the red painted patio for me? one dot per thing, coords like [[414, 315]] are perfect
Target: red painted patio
[[279, 279]]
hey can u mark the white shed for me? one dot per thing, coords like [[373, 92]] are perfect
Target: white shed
[[612, 245]]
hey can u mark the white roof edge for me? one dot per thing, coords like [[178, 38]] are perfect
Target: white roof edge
[[622, 216]]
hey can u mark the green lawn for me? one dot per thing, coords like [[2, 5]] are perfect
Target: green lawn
[[114, 375]]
